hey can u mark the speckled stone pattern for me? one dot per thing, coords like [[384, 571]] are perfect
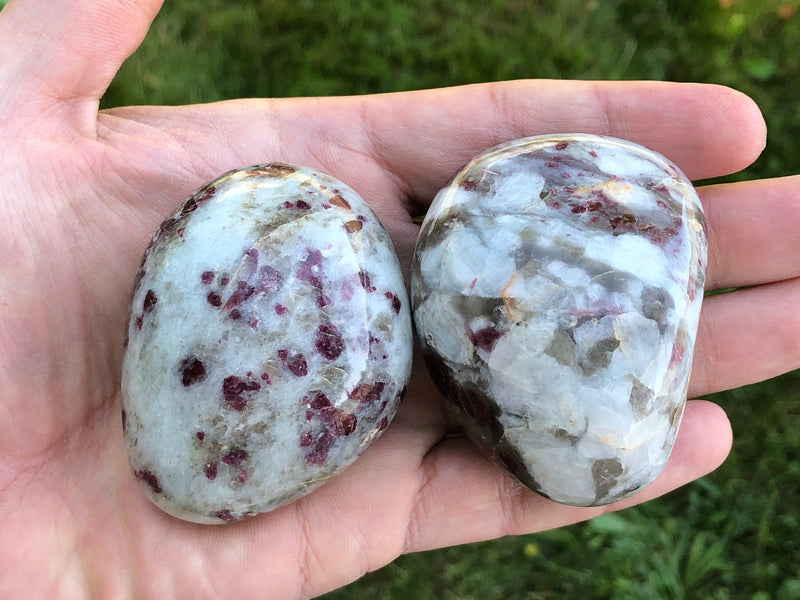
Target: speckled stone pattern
[[556, 290], [268, 343]]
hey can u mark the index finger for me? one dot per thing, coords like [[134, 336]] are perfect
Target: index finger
[[407, 145], [707, 130]]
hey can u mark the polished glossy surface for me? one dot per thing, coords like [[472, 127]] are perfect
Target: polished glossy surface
[[556, 287], [269, 343]]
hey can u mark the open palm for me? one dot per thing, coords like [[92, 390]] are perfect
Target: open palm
[[80, 194]]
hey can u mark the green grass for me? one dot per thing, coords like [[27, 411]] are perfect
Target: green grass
[[733, 534]]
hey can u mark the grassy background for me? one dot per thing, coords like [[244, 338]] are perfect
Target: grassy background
[[733, 534]]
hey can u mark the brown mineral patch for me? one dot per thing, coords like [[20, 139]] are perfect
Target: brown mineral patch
[[337, 200], [606, 473], [272, 170], [353, 226]]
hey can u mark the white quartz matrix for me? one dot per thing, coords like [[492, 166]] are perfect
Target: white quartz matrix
[[268, 343], [556, 289]]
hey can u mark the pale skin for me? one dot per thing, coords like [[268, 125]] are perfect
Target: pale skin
[[81, 192]]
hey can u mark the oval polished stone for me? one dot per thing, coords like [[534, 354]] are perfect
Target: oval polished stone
[[269, 343], [556, 289]]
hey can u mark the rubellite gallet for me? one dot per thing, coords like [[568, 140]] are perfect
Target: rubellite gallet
[[268, 343]]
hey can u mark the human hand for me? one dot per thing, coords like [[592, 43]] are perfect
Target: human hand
[[81, 193]]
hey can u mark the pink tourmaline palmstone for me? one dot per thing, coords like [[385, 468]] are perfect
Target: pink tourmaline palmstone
[[269, 344]]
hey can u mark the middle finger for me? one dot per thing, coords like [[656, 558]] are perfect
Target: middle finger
[[752, 232]]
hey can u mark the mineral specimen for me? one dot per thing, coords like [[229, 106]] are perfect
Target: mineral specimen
[[268, 343], [556, 289]]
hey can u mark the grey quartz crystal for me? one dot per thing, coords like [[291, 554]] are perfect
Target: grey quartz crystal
[[556, 289]]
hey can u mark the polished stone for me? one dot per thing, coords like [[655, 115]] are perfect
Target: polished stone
[[556, 289], [268, 344]]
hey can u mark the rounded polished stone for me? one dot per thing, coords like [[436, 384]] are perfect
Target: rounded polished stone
[[268, 343], [556, 289]]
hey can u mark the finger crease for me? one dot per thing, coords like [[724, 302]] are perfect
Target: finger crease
[[428, 469]]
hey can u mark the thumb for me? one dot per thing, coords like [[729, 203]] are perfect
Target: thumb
[[57, 57]]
